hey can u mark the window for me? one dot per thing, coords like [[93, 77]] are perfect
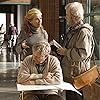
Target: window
[[3, 21]]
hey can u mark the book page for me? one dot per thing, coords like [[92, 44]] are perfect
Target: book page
[[56, 44]]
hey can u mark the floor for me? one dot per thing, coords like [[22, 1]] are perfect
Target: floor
[[9, 62]]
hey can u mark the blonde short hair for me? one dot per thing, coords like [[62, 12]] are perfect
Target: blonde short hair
[[42, 48], [30, 14], [76, 10]]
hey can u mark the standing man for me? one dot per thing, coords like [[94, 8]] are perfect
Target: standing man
[[78, 45]]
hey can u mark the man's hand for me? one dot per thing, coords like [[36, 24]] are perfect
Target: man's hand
[[48, 75], [29, 82], [61, 51]]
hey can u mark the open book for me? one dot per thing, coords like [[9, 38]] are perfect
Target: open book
[[54, 45]]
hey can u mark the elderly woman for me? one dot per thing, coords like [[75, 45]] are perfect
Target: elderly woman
[[31, 32], [43, 69], [78, 44]]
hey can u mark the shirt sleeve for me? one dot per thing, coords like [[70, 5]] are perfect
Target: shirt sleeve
[[82, 48], [21, 37], [24, 72]]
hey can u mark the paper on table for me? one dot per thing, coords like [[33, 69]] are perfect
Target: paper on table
[[67, 86], [63, 86], [21, 87]]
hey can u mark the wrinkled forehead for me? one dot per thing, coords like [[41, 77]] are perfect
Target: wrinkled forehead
[[39, 55]]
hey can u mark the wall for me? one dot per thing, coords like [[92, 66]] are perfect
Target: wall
[[50, 9]]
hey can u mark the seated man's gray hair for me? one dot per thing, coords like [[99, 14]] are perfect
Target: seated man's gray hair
[[42, 48]]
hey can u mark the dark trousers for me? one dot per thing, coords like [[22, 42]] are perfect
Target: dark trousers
[[30, 96], [71, 95]]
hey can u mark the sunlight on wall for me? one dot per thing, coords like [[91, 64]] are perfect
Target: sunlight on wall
[[12, 19]]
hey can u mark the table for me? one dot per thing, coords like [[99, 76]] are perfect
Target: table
[[62, 86]]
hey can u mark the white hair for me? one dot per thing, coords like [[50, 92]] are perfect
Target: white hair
[[76, 10]]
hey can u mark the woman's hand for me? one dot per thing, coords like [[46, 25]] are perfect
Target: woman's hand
[[24, 45]]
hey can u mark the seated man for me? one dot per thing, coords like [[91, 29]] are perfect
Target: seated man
[[40, 68]]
